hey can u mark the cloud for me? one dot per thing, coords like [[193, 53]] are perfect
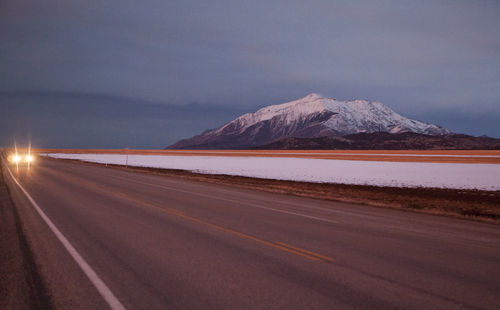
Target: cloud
[[430, 54]]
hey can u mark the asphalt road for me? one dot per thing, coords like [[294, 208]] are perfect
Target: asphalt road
[[133, 240]]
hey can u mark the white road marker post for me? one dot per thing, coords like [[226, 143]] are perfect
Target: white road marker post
[[126, 157]]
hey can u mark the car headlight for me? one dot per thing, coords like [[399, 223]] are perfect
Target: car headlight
[[29, 158], [16, 158]]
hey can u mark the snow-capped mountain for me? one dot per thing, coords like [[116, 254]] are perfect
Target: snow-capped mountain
[[310, 117]]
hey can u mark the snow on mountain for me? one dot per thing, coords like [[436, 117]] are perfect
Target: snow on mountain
[[309, 117]]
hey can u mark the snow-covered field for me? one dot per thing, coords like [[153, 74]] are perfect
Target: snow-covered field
[[401, 174]]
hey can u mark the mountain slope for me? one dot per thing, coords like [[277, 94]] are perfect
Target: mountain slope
[[386, 141], [310, 117]]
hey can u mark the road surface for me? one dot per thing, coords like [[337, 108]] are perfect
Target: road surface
[[109, 238]]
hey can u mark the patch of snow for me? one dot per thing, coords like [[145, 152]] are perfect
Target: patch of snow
[[400, 174]]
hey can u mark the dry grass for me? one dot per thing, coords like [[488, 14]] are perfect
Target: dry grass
[[445, 156]]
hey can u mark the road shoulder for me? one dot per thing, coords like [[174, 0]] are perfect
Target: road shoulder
[[21, 286]]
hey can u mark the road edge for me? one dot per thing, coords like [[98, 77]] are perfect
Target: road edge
[[32, 285]]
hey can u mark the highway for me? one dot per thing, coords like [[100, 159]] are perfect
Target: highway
[[109, 238]]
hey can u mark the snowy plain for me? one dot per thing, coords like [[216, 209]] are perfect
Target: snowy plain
[[399, 174]]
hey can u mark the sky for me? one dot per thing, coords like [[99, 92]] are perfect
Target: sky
[[176, 68]]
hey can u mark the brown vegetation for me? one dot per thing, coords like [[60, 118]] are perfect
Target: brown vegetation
[[434, 156]]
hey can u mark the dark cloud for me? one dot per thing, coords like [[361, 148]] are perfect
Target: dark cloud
[[419, 57], [66, 120]]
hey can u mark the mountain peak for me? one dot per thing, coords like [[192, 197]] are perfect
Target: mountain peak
[[309, 117], [313, 96]]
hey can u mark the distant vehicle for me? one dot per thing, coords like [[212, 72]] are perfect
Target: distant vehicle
[[21, 158]]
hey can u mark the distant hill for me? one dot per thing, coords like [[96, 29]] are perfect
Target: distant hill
[[311, 117], [386, 141]]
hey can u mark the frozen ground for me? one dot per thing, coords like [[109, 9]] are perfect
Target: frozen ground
[[443, 175]]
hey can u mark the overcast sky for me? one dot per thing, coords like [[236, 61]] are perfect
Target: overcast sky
[[436, 60]]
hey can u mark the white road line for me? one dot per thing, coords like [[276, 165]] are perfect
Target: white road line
[[228, 200], [101, 287]]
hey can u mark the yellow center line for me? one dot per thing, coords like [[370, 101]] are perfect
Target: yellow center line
[[277, 245], [306, 251]]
